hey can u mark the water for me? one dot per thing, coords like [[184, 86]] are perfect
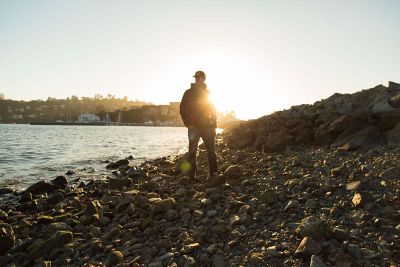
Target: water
[[32, 152]]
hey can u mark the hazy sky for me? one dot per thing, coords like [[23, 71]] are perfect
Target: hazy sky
[[260, 56]]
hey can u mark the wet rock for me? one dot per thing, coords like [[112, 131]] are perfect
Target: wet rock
[[117, 164], [25, 197], [60, 181], [6, 190], [70, 172], [40, 188], [119, 183], [55, 198], [7, 238]]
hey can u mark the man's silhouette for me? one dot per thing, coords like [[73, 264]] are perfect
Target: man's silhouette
[[199, 116]]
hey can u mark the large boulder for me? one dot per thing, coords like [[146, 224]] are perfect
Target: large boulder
[[40, 188], [367, 137], [387, 120], [7, 238], [393, 136]]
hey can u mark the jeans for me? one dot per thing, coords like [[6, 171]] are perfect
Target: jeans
[[208, 137]]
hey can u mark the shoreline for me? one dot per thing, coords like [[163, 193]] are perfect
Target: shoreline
[[312, 203]]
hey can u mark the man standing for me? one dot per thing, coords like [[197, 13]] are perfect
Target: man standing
[[199, 116]]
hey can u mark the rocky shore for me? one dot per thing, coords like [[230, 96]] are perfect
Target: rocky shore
[[305, 203]]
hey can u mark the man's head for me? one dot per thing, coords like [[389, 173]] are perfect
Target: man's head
[[200, 77]]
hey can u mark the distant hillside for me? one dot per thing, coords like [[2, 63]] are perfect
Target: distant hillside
[[365, 118], [61, 109]]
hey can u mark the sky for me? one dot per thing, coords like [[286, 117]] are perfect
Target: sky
[[259, 56]]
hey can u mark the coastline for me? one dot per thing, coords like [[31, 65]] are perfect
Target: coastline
[[311, 203]]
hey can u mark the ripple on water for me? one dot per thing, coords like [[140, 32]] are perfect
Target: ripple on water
[[33, 152]]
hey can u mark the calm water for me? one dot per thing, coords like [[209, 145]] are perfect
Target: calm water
[[32, 152]]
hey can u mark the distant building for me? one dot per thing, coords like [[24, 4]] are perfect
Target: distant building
[[88, 117]]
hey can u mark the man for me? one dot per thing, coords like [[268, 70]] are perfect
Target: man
[[199, 116]]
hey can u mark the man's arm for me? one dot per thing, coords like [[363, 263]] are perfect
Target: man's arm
[[183, 109]]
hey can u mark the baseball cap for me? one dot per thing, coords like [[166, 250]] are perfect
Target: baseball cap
[[199, 73]]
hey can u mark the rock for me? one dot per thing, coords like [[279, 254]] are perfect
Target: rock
[[215, 181], [361, 198], [45, 219], [274, 252], [117, 164], [393, 136], [3, 215], [211, 249], [256, 258], [25, 197], [60, 181], [269, 196], [394, 86], [113, 233], [93, 208], [354, 251], [70, 172], [389, 173], [57, 240], [40, 188], [314, 228], [189, 248], [219, 261], [7, 238], [119, 183], [307, 248], [368, 137], [368, 254], [171, 215], [356, 185], [394, 101], [163, 205], [115, 258], [55, 199], [6, 190], [292, 204], [339, 234], [311, 204], [234, 171], [316, 262], [382, 107]]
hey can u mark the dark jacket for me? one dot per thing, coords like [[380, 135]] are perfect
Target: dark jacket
[[196, 109]]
